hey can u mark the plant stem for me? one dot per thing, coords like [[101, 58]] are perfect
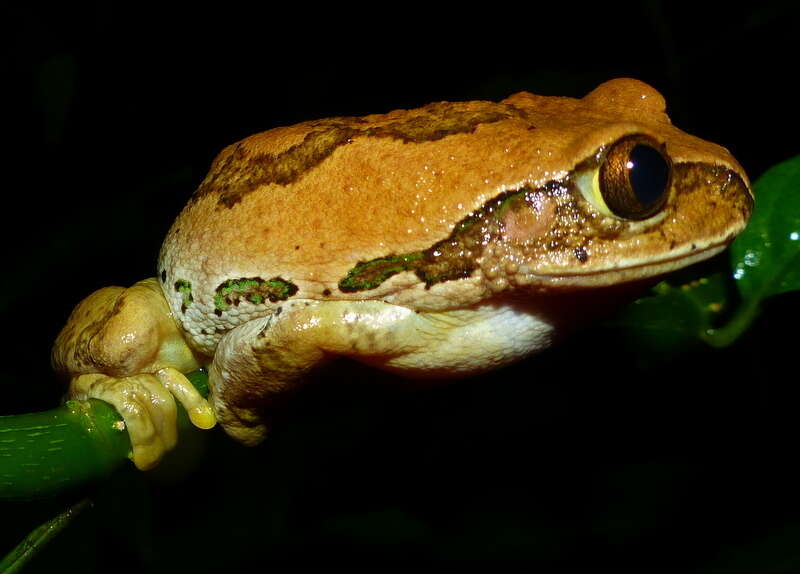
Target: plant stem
[[45, 454], [733, 329], [15, 560]]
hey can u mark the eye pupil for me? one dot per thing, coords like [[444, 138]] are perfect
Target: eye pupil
[[648, 174], [635, 177]]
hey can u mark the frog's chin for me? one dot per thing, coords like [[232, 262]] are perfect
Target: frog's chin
[[634, 272]]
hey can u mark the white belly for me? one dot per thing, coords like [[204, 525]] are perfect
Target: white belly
[[475, 340]]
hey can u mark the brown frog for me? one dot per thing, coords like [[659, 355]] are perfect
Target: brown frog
[[427, 242]]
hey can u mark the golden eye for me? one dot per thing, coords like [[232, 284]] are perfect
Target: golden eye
[[635, 177]]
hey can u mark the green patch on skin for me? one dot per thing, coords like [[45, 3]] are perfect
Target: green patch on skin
[[184, 287], [254, 290], [453, 258], [370, 274]]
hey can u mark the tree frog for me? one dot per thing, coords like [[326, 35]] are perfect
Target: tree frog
[[433, 242]]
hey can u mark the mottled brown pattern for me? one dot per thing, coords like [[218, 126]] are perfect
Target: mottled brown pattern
[[731, 187], [571, 229], [238, 172], [73, 349], [453, 258]]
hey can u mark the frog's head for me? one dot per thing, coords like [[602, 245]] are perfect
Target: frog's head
[[633, 211], [642, 199]]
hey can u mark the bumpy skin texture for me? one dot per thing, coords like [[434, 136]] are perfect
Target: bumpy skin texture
[[427, 241], [305, 203]]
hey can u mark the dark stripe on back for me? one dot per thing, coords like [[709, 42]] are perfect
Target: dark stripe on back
[[238, 172]]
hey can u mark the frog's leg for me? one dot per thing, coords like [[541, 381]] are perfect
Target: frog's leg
[[122, 346], [257, 361]]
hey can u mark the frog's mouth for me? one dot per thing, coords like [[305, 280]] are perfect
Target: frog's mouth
[[633, 271]]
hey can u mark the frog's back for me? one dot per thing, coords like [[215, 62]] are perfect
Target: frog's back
[[289, 212]]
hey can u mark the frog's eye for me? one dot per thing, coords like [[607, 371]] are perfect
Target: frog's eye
[[634, 179]]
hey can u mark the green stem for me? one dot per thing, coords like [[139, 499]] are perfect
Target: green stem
[[33, 543], [45, 454], [735, 327]]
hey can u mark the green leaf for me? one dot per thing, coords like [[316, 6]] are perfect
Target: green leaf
[[677, 313], [767, 257]]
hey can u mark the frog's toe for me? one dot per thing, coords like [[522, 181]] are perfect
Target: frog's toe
[[146, 406], [200, 412]]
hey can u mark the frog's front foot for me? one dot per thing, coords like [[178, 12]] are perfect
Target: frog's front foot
[[147, 405], [122, 346]]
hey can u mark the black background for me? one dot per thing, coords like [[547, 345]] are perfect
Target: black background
[[576, 458]]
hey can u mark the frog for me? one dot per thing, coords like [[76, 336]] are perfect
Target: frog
[[431, 243]]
